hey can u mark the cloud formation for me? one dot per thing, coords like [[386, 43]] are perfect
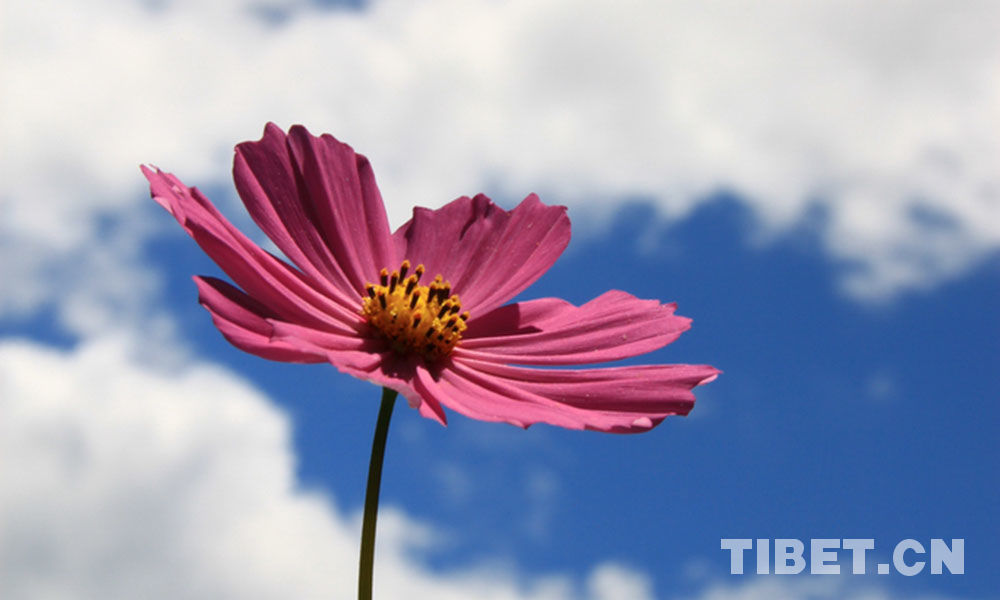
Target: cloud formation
[[883, 117], [124, 479], [802, 588]]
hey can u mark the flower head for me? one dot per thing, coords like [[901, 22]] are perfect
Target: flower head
[[421, 310]]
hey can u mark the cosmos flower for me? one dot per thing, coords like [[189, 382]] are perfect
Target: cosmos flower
[[421, 310]]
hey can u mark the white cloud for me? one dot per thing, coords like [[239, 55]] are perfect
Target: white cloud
[[883, 114], [613, 582], [124, 479], [801, 588]]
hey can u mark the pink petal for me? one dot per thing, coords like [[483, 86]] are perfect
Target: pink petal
[[286, 292], [488, 254], [550, 331], [267, 180], [321, 341], [338, 186], [618, 400], [490, 399], [368, 359], [243, 322]]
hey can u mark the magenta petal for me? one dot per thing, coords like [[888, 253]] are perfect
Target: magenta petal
[[287, 293], [488, 254], [345, 202], [618, 400], [429, 406], [325, 341], [368, 359], [612, 326], [267, 180], [481, 396], [243, 322]]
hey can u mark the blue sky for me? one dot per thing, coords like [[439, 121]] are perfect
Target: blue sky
[[833, 419], [845, 287]]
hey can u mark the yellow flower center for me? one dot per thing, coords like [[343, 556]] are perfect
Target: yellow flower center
[[422, 319]]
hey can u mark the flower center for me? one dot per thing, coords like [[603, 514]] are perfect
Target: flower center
[[425, 320]]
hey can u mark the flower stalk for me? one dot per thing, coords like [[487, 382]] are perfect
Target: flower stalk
[[366, 564]]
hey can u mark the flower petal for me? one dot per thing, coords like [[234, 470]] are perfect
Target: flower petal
[[488, 399], [489, 255], [550, 331], [243, 321], [315, 340], [286, 292], [265, 178], [368, 359], [318, 201], [617, 400]]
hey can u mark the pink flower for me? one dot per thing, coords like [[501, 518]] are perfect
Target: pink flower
[[421, 310]]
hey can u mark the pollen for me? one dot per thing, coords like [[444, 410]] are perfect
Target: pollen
[[415, 319]]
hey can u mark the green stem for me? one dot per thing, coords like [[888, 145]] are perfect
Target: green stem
[[367, 562]]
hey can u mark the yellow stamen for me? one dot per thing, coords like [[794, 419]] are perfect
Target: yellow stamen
[[415, 318]]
